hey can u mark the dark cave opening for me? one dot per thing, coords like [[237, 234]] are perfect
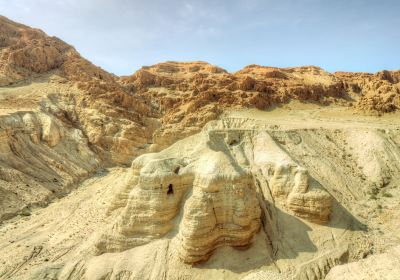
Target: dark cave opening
[[170, 189]]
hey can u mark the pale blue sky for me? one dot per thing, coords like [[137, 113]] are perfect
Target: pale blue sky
[[121, 35]]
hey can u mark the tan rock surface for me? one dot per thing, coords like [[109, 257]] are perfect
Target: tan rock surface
[[216, 169], [382, 266], [115, 208]]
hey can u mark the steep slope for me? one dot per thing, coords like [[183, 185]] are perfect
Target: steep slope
[[95, 96], [61, 118]]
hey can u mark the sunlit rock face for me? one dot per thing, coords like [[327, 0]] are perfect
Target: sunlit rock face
[[203, 192], [222, 210], [305, 201], [40, 154]]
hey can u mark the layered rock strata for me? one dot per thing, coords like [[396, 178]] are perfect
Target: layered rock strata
[[202, 191], [39, 159]]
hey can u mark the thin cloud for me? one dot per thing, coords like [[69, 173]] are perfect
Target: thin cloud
[[122, 35]]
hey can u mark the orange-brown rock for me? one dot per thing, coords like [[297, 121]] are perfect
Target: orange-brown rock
[[176, 98], [379, 92]]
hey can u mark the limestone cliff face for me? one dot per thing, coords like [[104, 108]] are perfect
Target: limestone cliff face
[[188, 95], [204, 192], [222, 211], [117, 123], [24, 51], [40, 159], [160, 104], [220, 204], [292, 183]]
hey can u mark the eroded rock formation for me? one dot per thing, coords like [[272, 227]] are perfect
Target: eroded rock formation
[[40, 158], [204, 189], [379, 92]]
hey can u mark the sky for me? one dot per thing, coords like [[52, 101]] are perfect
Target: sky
[[121, 36]]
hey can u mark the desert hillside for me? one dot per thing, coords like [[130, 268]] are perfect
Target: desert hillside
[[183, 170]]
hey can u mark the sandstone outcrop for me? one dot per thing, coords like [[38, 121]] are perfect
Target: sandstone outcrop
[[379, 92], [24, 51], [292, 183], [220, 212], [207, 180]]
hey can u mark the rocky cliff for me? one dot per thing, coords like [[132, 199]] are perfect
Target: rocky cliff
[[219, 179]]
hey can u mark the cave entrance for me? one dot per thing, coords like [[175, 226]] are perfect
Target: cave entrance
[[170, 189]]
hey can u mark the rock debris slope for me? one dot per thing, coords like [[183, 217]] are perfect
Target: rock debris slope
[[185, 171], [374, 267]]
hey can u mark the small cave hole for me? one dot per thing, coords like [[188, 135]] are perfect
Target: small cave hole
[[233, 142], [176, 170], [170, 189]]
